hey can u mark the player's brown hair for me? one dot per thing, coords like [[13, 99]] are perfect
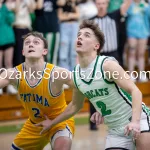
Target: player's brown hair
[[39, 35], [95, 28]]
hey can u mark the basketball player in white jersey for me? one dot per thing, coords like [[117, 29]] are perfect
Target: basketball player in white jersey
[[95, 77]]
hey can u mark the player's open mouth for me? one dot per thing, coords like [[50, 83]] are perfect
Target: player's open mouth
[[30, 51], [79, 43]]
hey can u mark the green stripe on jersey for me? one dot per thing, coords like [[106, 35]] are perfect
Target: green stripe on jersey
[[127, 95], [108, 82], [74, 77]]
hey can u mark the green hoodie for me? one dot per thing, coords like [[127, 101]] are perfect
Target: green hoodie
[[114, 5], [6, 31]]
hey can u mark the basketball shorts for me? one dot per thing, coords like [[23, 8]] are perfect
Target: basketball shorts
[[117, 140], [29, 137]]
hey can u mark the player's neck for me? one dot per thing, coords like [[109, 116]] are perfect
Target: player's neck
[[34, 65], [86, 60]]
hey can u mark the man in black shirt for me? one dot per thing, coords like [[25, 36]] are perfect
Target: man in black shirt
[[47, 22]]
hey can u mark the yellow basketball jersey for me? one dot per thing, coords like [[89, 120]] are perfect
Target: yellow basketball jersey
[[37, 99]]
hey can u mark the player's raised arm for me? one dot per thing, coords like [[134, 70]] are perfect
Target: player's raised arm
[[74, 106], [8, 77]]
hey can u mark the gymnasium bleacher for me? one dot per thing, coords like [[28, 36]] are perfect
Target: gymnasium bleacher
[[11, 108]]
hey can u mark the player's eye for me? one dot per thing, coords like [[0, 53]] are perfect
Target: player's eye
[[87, 35], [27, 42], [36, 42], [78, 35]]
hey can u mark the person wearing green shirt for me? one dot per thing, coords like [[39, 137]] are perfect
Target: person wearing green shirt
[[114, 5], [7, 40]]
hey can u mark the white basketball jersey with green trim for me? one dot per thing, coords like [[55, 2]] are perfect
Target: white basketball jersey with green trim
[[107, 97]]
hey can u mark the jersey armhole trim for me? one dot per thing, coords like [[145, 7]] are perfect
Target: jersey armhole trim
[[49, 86], [74, 77], [108, 82]]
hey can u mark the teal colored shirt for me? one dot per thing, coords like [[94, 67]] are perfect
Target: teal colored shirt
[[138, 23], [114, 5], [6, 31]]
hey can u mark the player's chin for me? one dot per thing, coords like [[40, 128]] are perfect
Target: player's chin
[[78, 49], [33, 57]]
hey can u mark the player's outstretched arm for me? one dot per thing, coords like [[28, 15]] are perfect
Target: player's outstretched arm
[[7, 77], [74, 106], [122, 79]]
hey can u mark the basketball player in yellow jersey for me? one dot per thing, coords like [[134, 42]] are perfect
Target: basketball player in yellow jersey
[[39, 85]]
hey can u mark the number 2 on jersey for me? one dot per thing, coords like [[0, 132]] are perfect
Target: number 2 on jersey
[[37, 112], [102, 106]]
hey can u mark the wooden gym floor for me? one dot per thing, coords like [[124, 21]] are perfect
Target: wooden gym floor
[[84, 139]]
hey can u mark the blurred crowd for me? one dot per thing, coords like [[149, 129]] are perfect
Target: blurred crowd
[[59, 20]]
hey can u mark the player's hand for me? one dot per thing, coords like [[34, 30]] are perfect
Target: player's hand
[[134, 129], [46, 124], [97, 118]]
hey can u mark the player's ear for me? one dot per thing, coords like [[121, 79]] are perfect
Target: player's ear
[[45, 51], [97, 46]]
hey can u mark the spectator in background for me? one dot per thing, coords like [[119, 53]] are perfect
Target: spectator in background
[[47, 22], [22, 26], [113, 6], [148, 1], [137, 32], [7, 40], [87, 9], [108, 23], [69, 17]]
